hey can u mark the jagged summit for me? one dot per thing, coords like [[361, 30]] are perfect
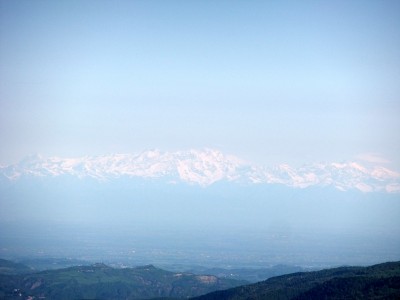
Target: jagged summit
[[205, 167]]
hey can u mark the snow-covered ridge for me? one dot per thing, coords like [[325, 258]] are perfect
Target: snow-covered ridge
[[205, 167]]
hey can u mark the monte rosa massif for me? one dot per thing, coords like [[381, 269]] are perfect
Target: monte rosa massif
[[205, 167]]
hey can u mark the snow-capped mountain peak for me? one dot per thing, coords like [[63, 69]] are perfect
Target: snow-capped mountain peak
[[205, 167]]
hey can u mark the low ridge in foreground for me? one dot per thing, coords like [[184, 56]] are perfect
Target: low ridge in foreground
[[380, 281], [100, 281]]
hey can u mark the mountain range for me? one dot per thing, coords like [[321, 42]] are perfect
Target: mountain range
[[206, 167], [99, 281], [199, 206]]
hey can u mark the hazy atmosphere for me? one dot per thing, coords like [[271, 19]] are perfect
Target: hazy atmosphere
[[272, 82], [176, 148]]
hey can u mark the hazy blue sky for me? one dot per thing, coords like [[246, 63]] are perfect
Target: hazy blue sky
[[271, 81]]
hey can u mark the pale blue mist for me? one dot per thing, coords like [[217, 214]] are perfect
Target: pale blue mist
[[270, 81]]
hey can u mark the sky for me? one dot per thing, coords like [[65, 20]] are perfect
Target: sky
[[269, 81]]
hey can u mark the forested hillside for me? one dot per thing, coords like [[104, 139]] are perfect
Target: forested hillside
[[376, 282]]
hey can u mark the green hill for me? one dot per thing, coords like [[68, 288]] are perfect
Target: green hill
[[376, 282], [99, 281], [11, 268]]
